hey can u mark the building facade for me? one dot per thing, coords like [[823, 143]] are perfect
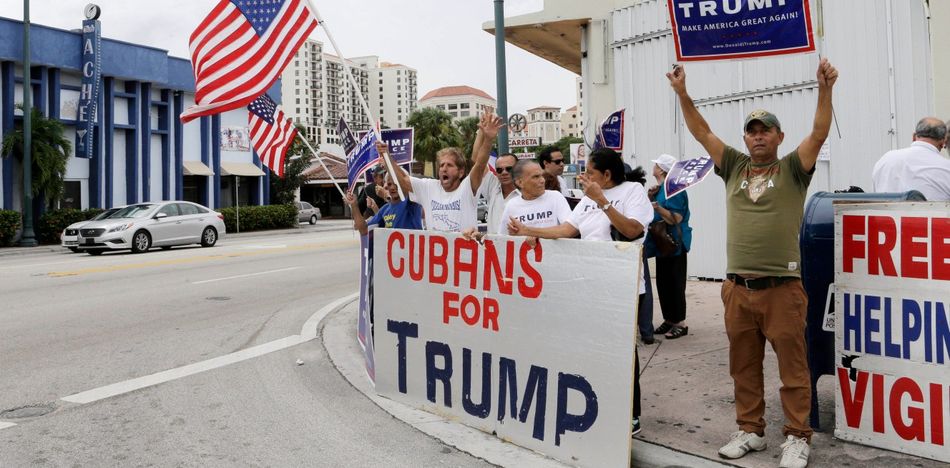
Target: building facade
[[571, 123], [393, 90], [545, 123], [141, 151], [458, 101]]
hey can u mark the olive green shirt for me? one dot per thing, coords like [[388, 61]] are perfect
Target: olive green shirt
[[764, 208]]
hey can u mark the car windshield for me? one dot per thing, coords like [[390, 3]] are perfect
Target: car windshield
[[133, 211], [105, 214]]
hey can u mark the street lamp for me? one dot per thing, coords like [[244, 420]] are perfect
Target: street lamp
[[27, 239]]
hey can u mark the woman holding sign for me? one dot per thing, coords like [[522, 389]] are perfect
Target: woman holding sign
[[612, 209]]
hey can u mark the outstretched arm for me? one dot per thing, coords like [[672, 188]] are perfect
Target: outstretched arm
[[516, 228], [488, 127], [359, 223], [401, 177], [695, 122], [811, 145]]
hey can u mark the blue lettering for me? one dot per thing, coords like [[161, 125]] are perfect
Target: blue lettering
[[890, 349], [537, 386], [482, 409], [402, 330], [871, 325], [942, 335], [433, 373], [928, 322], [507, 374], [574, 422], [852, 323], [910, 333]]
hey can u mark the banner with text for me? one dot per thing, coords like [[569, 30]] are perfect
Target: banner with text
[[347, 139], [685, 174], [89, 87], [611, 132], [363, 157], [892, 330], [730, 29], [504, 337]]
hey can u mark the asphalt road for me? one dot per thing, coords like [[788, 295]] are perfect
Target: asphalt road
[[73, 323]]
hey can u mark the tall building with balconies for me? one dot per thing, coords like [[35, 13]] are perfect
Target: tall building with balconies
[[340, 99], [393, 90], [303, 85]]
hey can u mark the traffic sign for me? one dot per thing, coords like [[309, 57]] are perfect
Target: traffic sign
[[524, 142]]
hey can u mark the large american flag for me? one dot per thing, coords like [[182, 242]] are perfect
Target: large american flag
[[240, 50], [271, 132]]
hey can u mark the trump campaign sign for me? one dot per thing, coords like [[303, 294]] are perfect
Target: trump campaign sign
[[534, 344], [729, 29], [892, 333]]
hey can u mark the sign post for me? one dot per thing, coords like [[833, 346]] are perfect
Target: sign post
[[90, 84]]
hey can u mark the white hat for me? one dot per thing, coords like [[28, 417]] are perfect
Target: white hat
[[665, 162]]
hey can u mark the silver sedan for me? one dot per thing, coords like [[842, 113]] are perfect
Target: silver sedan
[[142, 226], [70, 235]]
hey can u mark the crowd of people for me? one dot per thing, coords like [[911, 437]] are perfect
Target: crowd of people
[[763, 296]]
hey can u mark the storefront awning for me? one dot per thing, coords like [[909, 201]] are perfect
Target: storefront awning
[[241, 169], [197, 168]]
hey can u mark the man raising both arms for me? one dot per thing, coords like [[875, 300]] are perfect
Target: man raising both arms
[[449, 201], [763, 297]]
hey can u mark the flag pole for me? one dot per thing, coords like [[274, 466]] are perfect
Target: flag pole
[[355, 85], [320, 160]]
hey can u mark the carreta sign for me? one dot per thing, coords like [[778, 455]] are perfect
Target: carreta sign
[[892, 333], [729, 29], [532, 343]]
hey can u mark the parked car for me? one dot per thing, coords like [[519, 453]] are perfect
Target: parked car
[[69, 237], [307, 213], [142, 226], [482, 210]]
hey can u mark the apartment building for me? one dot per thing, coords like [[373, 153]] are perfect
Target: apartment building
[[393, 90]]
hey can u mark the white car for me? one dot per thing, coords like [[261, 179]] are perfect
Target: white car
[[69, 237], [142, 226]]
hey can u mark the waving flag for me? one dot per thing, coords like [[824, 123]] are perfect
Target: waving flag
[[240, 50], [347, 139], [271, 132]]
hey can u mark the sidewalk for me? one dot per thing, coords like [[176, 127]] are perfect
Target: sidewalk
[[688, 409]]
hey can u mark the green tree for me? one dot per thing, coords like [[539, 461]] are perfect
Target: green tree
[[50, 152], [433, 131], [467, 128], [298, 159], [563, 145]]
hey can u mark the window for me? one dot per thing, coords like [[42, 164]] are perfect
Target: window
[[398, 79], [440, 107], [463, 105], [464, 114], [380, 104], [380, 96], [298, 100], [296, 82], [453, 106], [72, 195], [297, 91], [380, 81], [187, 209], [170, 209]]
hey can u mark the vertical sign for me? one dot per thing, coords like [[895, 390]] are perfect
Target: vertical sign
[[892, 333], [89, 90]]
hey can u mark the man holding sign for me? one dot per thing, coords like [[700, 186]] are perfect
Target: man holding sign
[[763, 297]]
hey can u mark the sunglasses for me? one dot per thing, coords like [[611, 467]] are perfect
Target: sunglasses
[[557, 161], [508, 169]]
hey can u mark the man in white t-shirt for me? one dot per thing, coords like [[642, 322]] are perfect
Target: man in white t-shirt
[[449, 201], [552, 162], [535, 207], [920, 166], [498, 188]]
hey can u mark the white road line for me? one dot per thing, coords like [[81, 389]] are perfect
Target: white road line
[[4, 425], [120, 388], [246, 276]]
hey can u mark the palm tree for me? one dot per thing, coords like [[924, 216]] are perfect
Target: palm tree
[[50, 153], [433, 131], [467, 128]]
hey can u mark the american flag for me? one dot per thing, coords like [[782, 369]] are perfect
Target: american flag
[[240, 50], [271, 132]]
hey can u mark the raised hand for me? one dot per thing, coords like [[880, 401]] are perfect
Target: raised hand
[[591, 189], [490, 124], [371, 204], [677, 79], [515, 227], [827, 74], [382, 147], [351, 200]]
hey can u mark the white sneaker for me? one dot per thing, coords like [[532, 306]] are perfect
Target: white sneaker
[[795, 453], [741, 443]]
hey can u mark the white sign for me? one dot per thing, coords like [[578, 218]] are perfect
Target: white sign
[[526, 155], [892, 332], [524, 142], [533, 344]]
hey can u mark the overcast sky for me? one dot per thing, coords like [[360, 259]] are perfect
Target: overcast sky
[[442, 39]]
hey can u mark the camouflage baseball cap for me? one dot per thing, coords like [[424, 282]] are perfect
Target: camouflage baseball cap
[[767, 118]]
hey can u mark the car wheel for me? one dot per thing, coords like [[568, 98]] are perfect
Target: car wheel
[[313, 219], [209, 237], [141, 242], [74, 249], [94, 252]]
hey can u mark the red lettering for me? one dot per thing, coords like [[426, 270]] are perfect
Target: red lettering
[[882, 238], [537, 283], [473, 302], [939, 248], [449, 309], [853, 405], [438, 259], [851, 248], [936, 414], [914, 430], [395, 271], [877, 402], [493, 267], [417, 260], [490, 314], [471, 266], [913, 228]]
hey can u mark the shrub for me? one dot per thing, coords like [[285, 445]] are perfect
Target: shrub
[[259, 218], [52, 223], [9, 225]]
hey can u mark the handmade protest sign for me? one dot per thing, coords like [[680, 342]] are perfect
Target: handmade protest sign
[[533, 344]]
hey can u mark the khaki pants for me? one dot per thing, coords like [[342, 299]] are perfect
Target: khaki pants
[[778, 315]]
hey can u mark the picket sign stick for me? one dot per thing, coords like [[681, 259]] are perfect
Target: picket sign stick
[[359, 94], [320, 160]]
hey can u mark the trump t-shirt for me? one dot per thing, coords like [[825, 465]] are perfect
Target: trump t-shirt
[[550, 209]]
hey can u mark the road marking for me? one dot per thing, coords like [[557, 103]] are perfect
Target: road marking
[[308, 333], [4, 425], [246, 276]]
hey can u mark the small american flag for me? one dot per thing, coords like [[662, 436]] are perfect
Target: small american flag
[[240, 50], [271, 132]]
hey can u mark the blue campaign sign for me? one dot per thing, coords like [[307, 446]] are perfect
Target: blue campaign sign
[[361, 159], [400, 142], [730, 29], [89, 87], [611, 131], [685, 174], [347, 140]]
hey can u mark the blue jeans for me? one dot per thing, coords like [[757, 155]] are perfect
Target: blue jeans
[[645, 319]]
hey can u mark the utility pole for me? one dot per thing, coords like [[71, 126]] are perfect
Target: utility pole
[[27, 239], [501, 74]]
